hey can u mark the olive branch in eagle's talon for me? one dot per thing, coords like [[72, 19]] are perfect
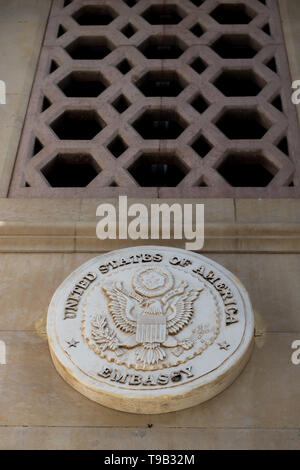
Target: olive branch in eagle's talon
[[104, 336], [188, 343]]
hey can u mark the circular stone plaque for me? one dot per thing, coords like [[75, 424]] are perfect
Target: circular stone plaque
[[150, 329]]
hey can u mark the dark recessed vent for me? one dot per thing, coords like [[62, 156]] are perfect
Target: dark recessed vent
[[37, 147], [67, 2], [160, 124], [121, 104], [53, 66], [232, 13], [201, 146], [163, 14], [197, 30], [197, 3], [130, 3], [77, 125], [89, 48], [284, 146], [46, 104], [161, 83], [235, 46], [277, 103], [199, 104], [246, 170], [198, 65], [160, 170], [272, 65], [117, 147], [162, 47], [128, 30], [95, 15], [83, 84], [266, 29], [239, 83], [71, 171], [242, 124], [124, 67], [61, 31]]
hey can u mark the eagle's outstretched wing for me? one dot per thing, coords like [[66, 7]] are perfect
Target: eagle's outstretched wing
[[182, 310], [120, 305]]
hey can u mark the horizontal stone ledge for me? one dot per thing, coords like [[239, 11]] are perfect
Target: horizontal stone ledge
[[124, 438], [81, 237]]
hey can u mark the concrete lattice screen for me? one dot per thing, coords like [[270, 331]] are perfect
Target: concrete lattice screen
[[179, 98]]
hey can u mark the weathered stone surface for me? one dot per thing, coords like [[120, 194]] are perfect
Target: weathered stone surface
[[264, 396]]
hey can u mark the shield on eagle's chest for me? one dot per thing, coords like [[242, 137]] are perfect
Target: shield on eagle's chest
[[151, 325]]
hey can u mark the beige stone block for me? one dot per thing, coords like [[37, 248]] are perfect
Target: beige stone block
[[9, 138], [265, 395], [39, 211], [268, 211], [19, 54], [75, 438], [24, 10], [27, 283], [272, 281]]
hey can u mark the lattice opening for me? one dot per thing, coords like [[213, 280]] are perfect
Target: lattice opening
[[199, 104], [283, 145], [46, 104], [61, 31], [124, 66], [95, 15], [162, 47], [37, 147], [158, 170], [236, 46], [71, 170], [277, 103], [197, 3], [77, 125], [121, 104], [83, 84], [160, 124], [130, 3], [271, 64], [266, 29], [198, 65], [232, 13], [243, 124], [197, 30], [53, 66], [90, 48], [129, 30], [239, 83], [251, 170], [117, 146], [161, 83], [163, 14], [201, 146]]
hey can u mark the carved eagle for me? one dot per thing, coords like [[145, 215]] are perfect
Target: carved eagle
[[151, 319]]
